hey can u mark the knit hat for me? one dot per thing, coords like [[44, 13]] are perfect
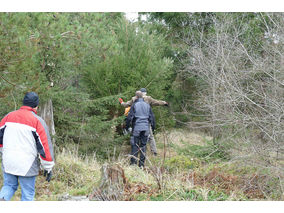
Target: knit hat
[[31, 99], [143, 90]]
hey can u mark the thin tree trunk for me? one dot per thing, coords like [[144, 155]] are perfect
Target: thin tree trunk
[[46, 112]]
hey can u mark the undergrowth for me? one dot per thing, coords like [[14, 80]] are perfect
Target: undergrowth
[[186, 175]]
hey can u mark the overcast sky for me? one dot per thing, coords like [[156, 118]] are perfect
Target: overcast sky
[[131, 16]]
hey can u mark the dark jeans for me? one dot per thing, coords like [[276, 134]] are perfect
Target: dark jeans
[[140, 142]]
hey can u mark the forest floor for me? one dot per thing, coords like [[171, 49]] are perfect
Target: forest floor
[[188, 167]]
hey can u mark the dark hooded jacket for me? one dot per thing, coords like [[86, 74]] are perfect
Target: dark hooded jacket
[[140, 116]]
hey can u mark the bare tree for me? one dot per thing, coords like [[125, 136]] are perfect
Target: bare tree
[[241, 88]]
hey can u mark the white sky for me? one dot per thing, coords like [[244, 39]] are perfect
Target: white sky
[[131, 16]]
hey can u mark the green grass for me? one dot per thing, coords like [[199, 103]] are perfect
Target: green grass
[[181, 162], [207, 152], [190, 195]]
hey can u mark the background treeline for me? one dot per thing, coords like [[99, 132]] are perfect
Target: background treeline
[[83, 62], [232, 64], [220, 72]]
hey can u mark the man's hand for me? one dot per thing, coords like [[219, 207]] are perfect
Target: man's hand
[[120, 100], [48, 175], [129, 130]]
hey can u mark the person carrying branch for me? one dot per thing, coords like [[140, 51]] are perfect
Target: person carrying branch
[[25, 143], [152, 102], [140, 118]]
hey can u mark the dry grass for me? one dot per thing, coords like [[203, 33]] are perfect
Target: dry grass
[[80, 175], [181, 137]]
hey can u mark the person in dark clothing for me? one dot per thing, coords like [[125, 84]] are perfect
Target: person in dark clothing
[[140, 118], [152, 102]]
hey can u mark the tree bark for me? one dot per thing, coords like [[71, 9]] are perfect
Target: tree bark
[[46, 112]]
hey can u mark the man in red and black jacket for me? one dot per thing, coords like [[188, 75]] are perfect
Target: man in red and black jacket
[[26, 145]]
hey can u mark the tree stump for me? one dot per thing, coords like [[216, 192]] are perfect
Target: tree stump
[[113, 184]]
